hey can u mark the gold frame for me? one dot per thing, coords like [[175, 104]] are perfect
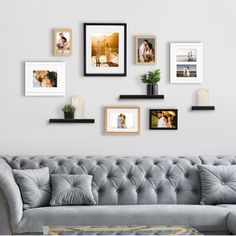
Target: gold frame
[[55, 43], [120, 133], [136, 47]]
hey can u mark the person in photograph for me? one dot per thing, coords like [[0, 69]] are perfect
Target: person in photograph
[[98, 51], [184, 71], [149, 53], [60, 41], [161, 120], [108, 52], [119, 121], [188, 72], [190, 56], [142, 50]]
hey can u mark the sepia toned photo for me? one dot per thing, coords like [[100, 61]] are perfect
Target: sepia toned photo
[[145, 50], [122, 120], [44, 78], [163, 119], [62, 42], [186, 55], [105, 49], [186, 70]]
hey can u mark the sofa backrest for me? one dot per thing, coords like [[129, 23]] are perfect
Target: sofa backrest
[[131, 180]]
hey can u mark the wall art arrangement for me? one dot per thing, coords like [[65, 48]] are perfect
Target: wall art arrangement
[[145, 50], [122, 120], [104, 49], [105, 54], [166, 119], [62, 42], [44, 78], [186, 63]]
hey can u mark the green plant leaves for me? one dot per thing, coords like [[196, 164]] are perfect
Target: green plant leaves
[[153, 77]]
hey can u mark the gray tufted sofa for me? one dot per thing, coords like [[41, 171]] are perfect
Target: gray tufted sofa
[[162, 190]]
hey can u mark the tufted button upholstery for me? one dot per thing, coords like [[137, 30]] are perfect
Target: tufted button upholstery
[[131, 180]]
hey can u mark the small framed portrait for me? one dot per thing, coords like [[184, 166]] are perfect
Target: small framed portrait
[[105, 49], [166, 119], [122, 120], [186, 63], [44, 78], [62, 42], [145, 50]]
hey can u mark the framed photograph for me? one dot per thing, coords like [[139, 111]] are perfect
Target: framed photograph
[[62, 42], [44, 78], [166, 119], [105, 49], [145, 50], [122, 120], [186, 63]]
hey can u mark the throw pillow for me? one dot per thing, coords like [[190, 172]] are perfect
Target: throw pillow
[[71, 190], [218, 184], [34, 186]]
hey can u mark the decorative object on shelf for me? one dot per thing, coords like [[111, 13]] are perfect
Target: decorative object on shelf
[[78, 103], [105, 49], [62, 42], [44, 78], [122, 120], [83, 121], [145, 50], [203, 108], [141, 96], [151, 79], [186, 63], [69, 111], [165, 119], [203, 97]]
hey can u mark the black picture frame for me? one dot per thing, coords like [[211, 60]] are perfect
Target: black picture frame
[[162, 110], [124, 73]]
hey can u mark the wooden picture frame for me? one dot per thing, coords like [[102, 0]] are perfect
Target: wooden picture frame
[[171, 124], [129, 126], [105, 49], [64, 48], [151, 56]]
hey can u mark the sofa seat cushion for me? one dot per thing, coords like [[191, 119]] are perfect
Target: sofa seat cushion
[[203, 218]]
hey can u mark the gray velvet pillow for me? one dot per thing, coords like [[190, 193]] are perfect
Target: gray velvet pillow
[[71, 190], [218, 184], [34, 186]]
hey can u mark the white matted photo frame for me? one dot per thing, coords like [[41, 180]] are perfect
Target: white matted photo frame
[[105, 49], [63, 42], [186, 63], [145, 50], [122, 120], [44, 78]]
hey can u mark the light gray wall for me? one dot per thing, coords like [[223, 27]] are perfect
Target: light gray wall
[[26, 34]]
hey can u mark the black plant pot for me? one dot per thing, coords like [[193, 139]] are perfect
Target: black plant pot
[[68, 115], [152, 89]]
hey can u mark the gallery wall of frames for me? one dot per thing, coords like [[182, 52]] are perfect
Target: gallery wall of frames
[[105, 55]]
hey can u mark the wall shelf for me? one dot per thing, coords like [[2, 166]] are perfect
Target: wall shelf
[[141, 96], [72, 121], [203, 108]]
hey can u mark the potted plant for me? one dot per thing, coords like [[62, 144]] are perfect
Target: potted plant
[[69, 111], [151, 79]]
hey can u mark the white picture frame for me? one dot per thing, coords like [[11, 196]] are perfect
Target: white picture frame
[[114, 124], [186, 62], [44, 79]]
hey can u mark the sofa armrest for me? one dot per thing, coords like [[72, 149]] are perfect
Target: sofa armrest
[[11, 202], [231, 222]]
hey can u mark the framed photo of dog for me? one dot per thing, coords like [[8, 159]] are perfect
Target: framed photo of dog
[[122, 120]]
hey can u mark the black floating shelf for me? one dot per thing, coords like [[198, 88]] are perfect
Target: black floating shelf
[[203, 108], [141, 96], [72, 121]]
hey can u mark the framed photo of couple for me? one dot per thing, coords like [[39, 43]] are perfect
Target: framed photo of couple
[[145, 50], [163, 119], [105, 49], [186, 63], [122, 120], [62, 42]]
